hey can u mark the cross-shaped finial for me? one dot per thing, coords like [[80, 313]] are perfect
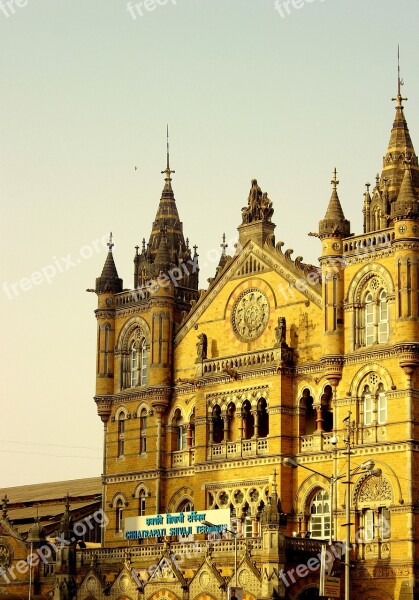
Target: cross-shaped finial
[[400, 82], [5, 502], [224, 245], [335, 181], [195, 249], [110, 244], [187, 243], [143, 245], [368, 185], [167, 170]]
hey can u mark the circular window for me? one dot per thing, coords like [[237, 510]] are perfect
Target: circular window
[[250, 315]]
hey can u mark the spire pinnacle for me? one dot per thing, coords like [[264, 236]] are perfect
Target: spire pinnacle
[[399, 99], [110, 243], [224, 245], [335, 181], [274, 486], [167, 170]]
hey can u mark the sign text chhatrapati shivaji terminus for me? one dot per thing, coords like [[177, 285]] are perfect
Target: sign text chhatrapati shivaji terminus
[[182, 524]]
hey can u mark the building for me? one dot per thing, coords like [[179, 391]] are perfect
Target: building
[[203, 396]]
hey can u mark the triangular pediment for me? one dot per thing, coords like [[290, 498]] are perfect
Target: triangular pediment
[[167, 571], [305, 278], [207, 577], [92, 585]]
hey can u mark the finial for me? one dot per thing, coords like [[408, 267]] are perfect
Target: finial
[[368, 185], [400, 82], [187, 243], [274, 488], [167, 170], [224, 245], [195, 249], [110, 244], [143, 245], [5, 502], [377, 179], [67, 502], [335, 181], [136, 250]]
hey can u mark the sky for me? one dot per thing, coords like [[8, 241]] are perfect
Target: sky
[[280, 92]]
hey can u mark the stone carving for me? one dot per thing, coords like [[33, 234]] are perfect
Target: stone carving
[[375, 488], [250, 315], [281, 332], [5, 557], [259, 207], [201, 347]]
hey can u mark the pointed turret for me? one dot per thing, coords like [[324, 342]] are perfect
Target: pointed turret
[[400, 148], [334, 223], [109, 280], [166, 247], [406, 204]]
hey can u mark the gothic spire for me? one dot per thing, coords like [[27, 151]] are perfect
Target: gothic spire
[[334, 223], [109, 280], [407, 203], [400, 147]]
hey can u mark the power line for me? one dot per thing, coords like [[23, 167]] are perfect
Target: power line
[[44, 444]]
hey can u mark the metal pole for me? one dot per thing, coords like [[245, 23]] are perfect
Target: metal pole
[[332, 485], [235, 560], [348, 511], [30, 573]]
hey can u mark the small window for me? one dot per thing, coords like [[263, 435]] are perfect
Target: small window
[[141, 504], [369, 320], [382, 407], [134, 365], [368, 409], [383, 318], [143, 431], [121, 434], [144, 362], [368, 525], [119, 516]]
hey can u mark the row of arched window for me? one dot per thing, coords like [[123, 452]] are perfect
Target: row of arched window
[[245, 424], [143, 432]]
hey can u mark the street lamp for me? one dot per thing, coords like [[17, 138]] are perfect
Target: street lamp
[[234, 534], [366, 467]]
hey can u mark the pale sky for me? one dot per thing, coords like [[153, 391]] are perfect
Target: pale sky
[[86, 91]]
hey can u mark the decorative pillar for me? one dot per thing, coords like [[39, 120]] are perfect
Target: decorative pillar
[[255, 423], [319, 418]]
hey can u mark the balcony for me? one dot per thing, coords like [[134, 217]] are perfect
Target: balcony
[[183, 458], [317, 442], [238, 449]]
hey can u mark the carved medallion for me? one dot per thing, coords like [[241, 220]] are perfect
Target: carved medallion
[[204, 580], [250, 315], [5, 557]]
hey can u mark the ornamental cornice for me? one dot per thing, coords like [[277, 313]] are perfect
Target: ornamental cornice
[[367, 257], [102, 313], [135, 310], [286, 410], [237, 484], [405, 245], [233, 464], [236, 391]]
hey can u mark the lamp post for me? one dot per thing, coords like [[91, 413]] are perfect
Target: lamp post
[[234, 534], [366, 467]]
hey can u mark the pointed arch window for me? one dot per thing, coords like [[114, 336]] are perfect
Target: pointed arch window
[[369, 320], [263, 418], [144, 362], [383, 318], [319, 524], [134, 364], [121, 434], [143, 431], [119, 516], [141, 503], [381, 405], [217, 425], [368, 406], [372, 315]]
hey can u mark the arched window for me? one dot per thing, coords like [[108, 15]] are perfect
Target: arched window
[[119, 516], [217, 425], [381, 405], [121, 434], [192, 429], [319, 523], [368, 407], [369, 320], [144, 363], [373, 401], [143, 431], [179, 430], [134, 364], [263, 418], [308, 414], [106, 354], [383, 318], [248, 421], [141, 503], [185, 506]]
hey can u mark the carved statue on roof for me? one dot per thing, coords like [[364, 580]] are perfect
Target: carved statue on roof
[[259, 207]]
